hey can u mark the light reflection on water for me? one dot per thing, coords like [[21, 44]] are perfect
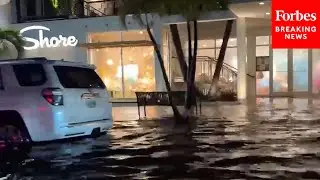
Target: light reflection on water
[[272, 140]]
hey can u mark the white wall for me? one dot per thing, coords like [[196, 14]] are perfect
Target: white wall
[[73, 27], [81, 27], [5, 15]]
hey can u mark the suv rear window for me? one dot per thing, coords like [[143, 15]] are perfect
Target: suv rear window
[[30, 74], [77, 77]]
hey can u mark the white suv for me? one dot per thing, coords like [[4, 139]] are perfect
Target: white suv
[[44, 100]]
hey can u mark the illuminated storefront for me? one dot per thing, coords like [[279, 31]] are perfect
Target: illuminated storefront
[[126, 63]]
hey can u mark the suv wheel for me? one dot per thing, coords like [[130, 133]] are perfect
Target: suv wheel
[[13, 136]]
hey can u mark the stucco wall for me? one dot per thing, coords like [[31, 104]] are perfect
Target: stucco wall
[[5, 15], [72, 27]]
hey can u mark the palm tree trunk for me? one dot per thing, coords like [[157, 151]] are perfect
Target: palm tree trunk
[[188, 95], [191, 93], [222, 53], [179, 51], [177, 44], [175, 110]]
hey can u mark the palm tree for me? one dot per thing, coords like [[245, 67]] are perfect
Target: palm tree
[[13, 37], [221, 56], [191, 10]]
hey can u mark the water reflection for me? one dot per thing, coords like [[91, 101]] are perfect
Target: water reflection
[[272, 140]]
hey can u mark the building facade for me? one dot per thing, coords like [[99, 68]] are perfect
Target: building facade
[[126, 61]]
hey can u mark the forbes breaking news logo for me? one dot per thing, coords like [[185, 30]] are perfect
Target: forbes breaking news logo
[[298, 31]]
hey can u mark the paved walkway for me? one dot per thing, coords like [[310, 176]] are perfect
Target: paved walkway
[[130, 111]]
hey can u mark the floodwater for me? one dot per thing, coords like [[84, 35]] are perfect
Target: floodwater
[[272, 140]]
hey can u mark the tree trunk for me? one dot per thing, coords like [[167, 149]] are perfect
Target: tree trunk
[[177, 44], [188, 95], [179, 51], [191, 93], [175, 110], [222, 53]]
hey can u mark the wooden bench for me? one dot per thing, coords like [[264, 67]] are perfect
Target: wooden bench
[[162, 99]]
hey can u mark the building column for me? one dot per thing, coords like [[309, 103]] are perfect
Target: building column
[[251, 67], [156, 29], [5, 15], [242, 57]]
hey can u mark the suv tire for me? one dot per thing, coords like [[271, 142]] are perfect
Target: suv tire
[[14, 135]]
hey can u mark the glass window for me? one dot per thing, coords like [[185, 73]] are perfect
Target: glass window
[[300, 70], [206, 43], [280, 70], [108, 63], [138, 70], [135, 36], [125, 70], [202, 44], [76, 77], [262, 82], [262, 77], [31, 7], [105, 37], [262, 40], [262, 51], [30, 74], [231, 43], [205, 52], [99, 8], [230, 57], [316, 71]]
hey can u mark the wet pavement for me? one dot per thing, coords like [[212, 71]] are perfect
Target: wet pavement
[[277, 139]]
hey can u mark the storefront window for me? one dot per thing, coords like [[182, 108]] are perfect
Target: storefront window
[[232, 42], [104, 37], [280, 70], [138, 68], [262, 40], [206, 52], [230, 56], [300, 70], [316, 71], [124, 69], [135, 36], [108, 63], [262, 77]]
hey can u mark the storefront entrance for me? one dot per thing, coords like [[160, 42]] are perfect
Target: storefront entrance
[[124, 61]]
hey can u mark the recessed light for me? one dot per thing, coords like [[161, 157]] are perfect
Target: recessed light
[[261, 3], [267, 13]]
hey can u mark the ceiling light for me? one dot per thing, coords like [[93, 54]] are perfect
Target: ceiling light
[[261, 3], [109, 62], [267, 13]]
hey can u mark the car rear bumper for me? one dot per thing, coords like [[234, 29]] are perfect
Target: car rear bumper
[[76, 130]]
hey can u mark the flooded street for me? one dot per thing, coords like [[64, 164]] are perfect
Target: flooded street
[[272, 140]]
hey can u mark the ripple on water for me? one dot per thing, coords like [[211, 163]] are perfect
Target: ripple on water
[[271, 141]]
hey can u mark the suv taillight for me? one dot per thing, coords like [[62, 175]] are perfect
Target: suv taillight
[[54, 96]]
